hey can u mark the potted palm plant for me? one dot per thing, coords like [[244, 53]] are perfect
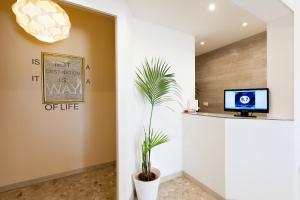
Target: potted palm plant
[[158, 86]]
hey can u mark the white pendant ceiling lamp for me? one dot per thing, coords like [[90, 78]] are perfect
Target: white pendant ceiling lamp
[[44, 19]]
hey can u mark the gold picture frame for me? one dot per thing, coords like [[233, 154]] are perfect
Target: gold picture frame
[[63, 78]]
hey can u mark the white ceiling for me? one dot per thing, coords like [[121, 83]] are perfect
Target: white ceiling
[[217, 29], [267, 10]]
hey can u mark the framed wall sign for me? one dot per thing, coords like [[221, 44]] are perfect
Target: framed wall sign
[[63, 78]]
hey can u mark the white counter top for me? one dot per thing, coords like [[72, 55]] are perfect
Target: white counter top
[[230, 116]]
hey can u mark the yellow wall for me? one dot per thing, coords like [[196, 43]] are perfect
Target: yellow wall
[[35, 142]]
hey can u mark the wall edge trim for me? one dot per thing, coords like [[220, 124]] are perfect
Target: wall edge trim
[[30, 182]]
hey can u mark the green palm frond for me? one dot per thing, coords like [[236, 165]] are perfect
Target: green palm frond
[[156, 83], [157, 138], [152, 140]]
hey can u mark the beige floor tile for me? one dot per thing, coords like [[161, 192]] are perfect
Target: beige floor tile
[[182, 189], [94, 185], [100, 184]]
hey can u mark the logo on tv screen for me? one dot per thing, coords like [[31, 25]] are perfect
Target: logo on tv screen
[[245, 99]]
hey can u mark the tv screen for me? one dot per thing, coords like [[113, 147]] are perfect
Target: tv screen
[[251, 100]]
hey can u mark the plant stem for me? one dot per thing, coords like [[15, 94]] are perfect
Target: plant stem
[[150, 121], [150, 137]]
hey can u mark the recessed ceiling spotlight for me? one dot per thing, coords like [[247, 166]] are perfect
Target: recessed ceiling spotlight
[[212, 7], [202, 43], [245, 24]]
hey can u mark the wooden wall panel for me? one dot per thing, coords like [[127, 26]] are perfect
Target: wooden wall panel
[[242, 64]]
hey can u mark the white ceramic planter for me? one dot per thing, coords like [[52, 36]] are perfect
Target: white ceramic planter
[[147, 190]]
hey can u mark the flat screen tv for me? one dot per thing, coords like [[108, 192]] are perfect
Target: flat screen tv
[[246, 101]]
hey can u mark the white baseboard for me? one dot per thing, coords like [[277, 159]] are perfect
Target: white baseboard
[[171, 176], [54, 176], [204, 187], [132, 197]]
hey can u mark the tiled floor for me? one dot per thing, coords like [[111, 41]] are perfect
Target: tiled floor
[[182, 189], [100, 184]]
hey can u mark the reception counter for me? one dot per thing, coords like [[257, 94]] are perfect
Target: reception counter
[[240, 158]]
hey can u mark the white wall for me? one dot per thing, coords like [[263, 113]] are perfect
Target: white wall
[[259, 159], [204, 150], [295, 6], [177, 49], [125, 89], [291, 4], [149, 40], [280, 59], [297, 96]]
